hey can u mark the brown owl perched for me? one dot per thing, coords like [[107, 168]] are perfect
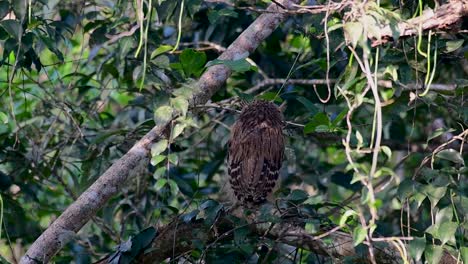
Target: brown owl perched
[[255, 152]]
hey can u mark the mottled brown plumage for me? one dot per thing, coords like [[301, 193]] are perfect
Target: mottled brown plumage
[[256, 151]]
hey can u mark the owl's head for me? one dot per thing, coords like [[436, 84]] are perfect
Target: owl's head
[[260, 111]]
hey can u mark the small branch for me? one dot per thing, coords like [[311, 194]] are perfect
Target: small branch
[[436, 87]]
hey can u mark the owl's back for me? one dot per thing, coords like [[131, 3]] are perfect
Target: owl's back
[[255, 152]]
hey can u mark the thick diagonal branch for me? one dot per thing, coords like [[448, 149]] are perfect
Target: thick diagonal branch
[[109, 183]]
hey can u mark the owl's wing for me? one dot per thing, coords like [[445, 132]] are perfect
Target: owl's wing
[[272, 142], [254, 159], [244, 157]]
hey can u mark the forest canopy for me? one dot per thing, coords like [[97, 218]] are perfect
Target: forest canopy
[[115, 118]]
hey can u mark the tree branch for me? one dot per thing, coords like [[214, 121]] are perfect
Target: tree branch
[[438, 87], [64, 228], [441, 19], [176, 239]]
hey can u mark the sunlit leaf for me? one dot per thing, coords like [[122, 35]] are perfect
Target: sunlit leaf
[[346, 215], [453, 45], [160, 184], [173, 186], [444, 215], [158, 147], [156, 159], [173, 158], [353, 32], [163, 114], [160, 50], [387, 151], [177, 130], [359, 234], [180, 104], [464, 254], [3, 118]]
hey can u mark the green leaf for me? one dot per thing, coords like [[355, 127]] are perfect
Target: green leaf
[[359, 234], [387, 151], [383, 172], [159, 147], [160, 184], [340, 117], [406, 189], [3, 118], [241, 65], [163, 114], [174, 187], [173, 158], [298, 195], [346, 215], [215, 15], [20, 7], [319, 123], [193, 6], [434, 193], [391, 70], [159, 172], [360, 139], [447, 232], [183, 92], [353, 32], [464, 254], [438, 132], [160, 50], [271, 96], [188, 217], [162, 62], [416, 247], [177, 130], [433, 254], [192, 62], [145, 237], [4, 8], [180, 104], [240, 234], [13, 28], [156, 159], [451, 155], [444, 215], [453, 45], [308, 105]]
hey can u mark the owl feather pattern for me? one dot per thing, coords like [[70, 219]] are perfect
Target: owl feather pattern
[[255, 152]]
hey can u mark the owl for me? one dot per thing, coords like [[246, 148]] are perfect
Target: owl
[[255, 152]]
